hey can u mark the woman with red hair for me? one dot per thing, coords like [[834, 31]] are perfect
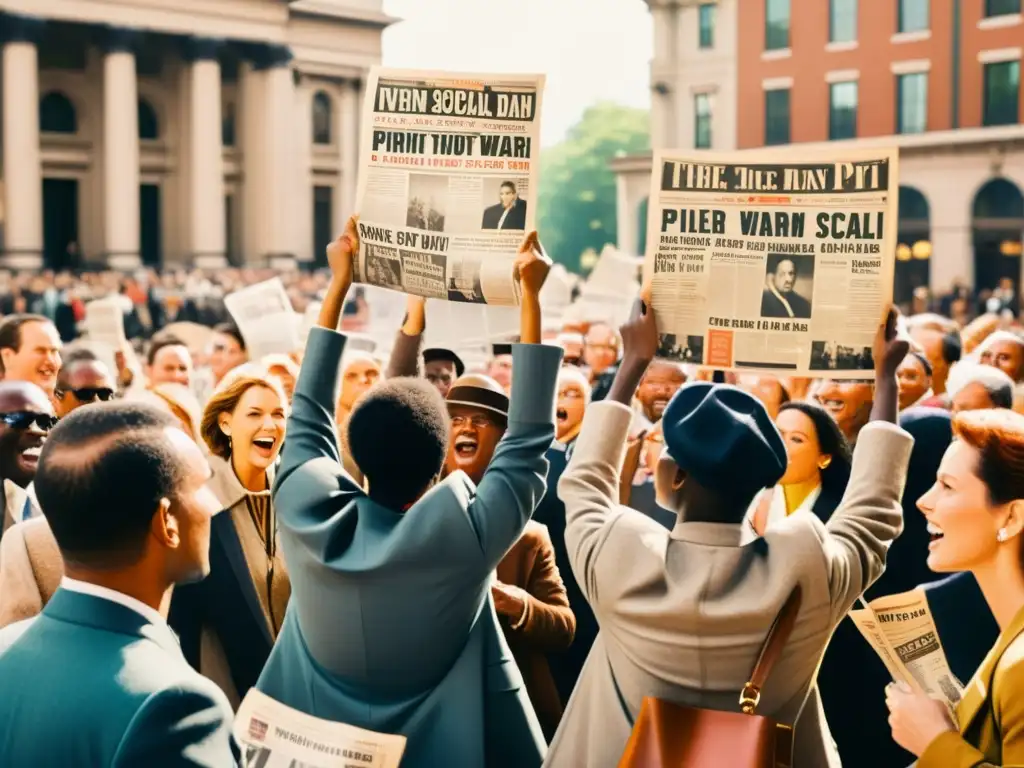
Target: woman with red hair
[[975, 514]]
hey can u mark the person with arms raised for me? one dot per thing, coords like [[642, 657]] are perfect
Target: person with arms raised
[[683, 613], [391, 625]]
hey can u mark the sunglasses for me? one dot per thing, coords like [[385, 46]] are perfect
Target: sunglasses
[[25, 419], [88, 394]]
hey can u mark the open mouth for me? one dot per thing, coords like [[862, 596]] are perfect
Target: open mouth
[[561, 415], [466, 446], [659, 405], [31, 455], [935, 534], [832, 405], [265, 445]]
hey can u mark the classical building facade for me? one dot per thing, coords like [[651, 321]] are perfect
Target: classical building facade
[[939, 79], [207, 132]]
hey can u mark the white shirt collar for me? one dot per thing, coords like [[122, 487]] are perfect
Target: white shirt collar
[[105, 593]]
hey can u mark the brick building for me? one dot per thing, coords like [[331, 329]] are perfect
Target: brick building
[[940, 79]]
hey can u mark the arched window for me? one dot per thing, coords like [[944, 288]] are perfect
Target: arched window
[[999, 199], [914, 248], [149, 125], [998, 231], [321, 118], [57, 114], [227, 125]]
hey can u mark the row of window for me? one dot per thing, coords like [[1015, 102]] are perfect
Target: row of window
[[911, 16], [1000, 106]]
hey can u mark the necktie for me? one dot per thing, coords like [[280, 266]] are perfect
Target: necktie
[[26, 511]]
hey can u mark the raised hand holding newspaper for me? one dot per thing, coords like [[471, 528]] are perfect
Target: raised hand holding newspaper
[[774, 260], [448, 175], [901, 630], [275, 736]]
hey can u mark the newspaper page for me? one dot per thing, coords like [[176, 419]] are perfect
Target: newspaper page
[[104, 323], [449, 166], [902, 632], [264, 315], [775, 261], [275, 736]]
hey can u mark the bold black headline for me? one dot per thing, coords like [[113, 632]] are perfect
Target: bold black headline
[[452, 144], [804, 179], [424, 241], [826, 225], [458, 102]]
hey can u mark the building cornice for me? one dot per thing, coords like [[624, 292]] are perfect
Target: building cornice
[[352, 16]]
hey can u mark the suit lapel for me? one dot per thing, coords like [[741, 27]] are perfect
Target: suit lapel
[[977, 691], [98, 613], [226, 538]]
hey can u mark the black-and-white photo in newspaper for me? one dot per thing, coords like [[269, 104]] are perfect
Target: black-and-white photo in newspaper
[[778, 260], [448, 162]]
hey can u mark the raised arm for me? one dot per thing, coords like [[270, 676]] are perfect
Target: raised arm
[[589, 488], [311, 431], [405, 355], [870, 516], [516, 478]]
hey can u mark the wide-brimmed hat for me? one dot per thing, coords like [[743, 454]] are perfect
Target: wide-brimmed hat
[[478, 391]]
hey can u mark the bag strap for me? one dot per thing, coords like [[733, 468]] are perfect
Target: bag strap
[[781, 629]]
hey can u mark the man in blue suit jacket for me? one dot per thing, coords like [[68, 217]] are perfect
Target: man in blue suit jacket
[[98, 679], [391, 626]]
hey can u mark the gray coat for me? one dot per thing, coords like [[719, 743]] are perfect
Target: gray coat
[[683, 613]]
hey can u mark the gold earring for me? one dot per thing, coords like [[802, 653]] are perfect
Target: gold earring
[[823, 464]]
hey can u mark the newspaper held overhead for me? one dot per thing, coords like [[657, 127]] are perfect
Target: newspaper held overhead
[[265, 318], [901, 630], [104, 323], [448, 182], [273, 735], [778, 261]]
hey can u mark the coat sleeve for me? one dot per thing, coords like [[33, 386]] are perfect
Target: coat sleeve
[[405, 356], [516, 478], [189, 726], [870, 516], [548, 623], [20, 596], [589, 488]]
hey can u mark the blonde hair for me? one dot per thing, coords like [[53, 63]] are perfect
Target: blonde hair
[[226, 398]]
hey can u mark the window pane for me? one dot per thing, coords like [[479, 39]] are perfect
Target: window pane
[[1001, 7], [776, 33], [913, 15], [707, 25], [842, 21], [912, 103], [842, 123], [776, 117], [1002, 93], [702, 121]]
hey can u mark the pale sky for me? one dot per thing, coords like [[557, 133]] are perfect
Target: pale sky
[[590, 50]]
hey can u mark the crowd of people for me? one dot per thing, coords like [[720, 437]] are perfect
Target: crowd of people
[[499, 563]]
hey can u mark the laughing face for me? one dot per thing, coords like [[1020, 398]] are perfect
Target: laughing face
[[913, 379], [475, 434], [256, 427], [849, 402], [27, 415], [571, 404], [37, 359], [660, 383], [962, 522]]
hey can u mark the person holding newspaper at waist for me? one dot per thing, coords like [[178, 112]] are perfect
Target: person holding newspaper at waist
[[391, 626], [975, 515]]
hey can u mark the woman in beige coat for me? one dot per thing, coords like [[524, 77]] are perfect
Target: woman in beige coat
[[228, 622]]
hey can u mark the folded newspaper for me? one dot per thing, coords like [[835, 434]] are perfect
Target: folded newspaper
[[902, 631], [275, 736]]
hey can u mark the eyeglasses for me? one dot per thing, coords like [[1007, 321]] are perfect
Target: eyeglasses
[[88, 394], [25, 419], [478, 422]]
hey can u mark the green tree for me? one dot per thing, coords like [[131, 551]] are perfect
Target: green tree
[[577, 191]]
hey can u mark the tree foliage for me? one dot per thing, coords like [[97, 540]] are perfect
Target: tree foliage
[[577, 191]]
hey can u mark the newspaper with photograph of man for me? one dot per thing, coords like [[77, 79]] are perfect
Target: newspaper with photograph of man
[[901, 630], [448, 182], [273, 735], [779, 260]]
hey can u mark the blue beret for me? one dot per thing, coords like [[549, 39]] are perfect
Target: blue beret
[[724, 438]]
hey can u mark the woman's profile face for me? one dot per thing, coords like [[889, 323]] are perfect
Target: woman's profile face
[[257, 427], [962, 523], [803, 452]]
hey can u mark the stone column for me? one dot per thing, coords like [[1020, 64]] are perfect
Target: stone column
[[302, 203], [207, 239], [625, 209], [347, 119], [270, 154], [120, 149], [23, 181], [253, 161]]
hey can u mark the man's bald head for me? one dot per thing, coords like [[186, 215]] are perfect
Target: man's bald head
[[22, 396]]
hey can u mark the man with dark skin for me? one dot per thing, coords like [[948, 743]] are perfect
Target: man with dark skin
[[26, 416], [83, 380], [662, 380]]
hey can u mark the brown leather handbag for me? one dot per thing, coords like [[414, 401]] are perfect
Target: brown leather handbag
[[669, 735]]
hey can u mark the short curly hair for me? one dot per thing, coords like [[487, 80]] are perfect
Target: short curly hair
[[225, 399], [398, 437]]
